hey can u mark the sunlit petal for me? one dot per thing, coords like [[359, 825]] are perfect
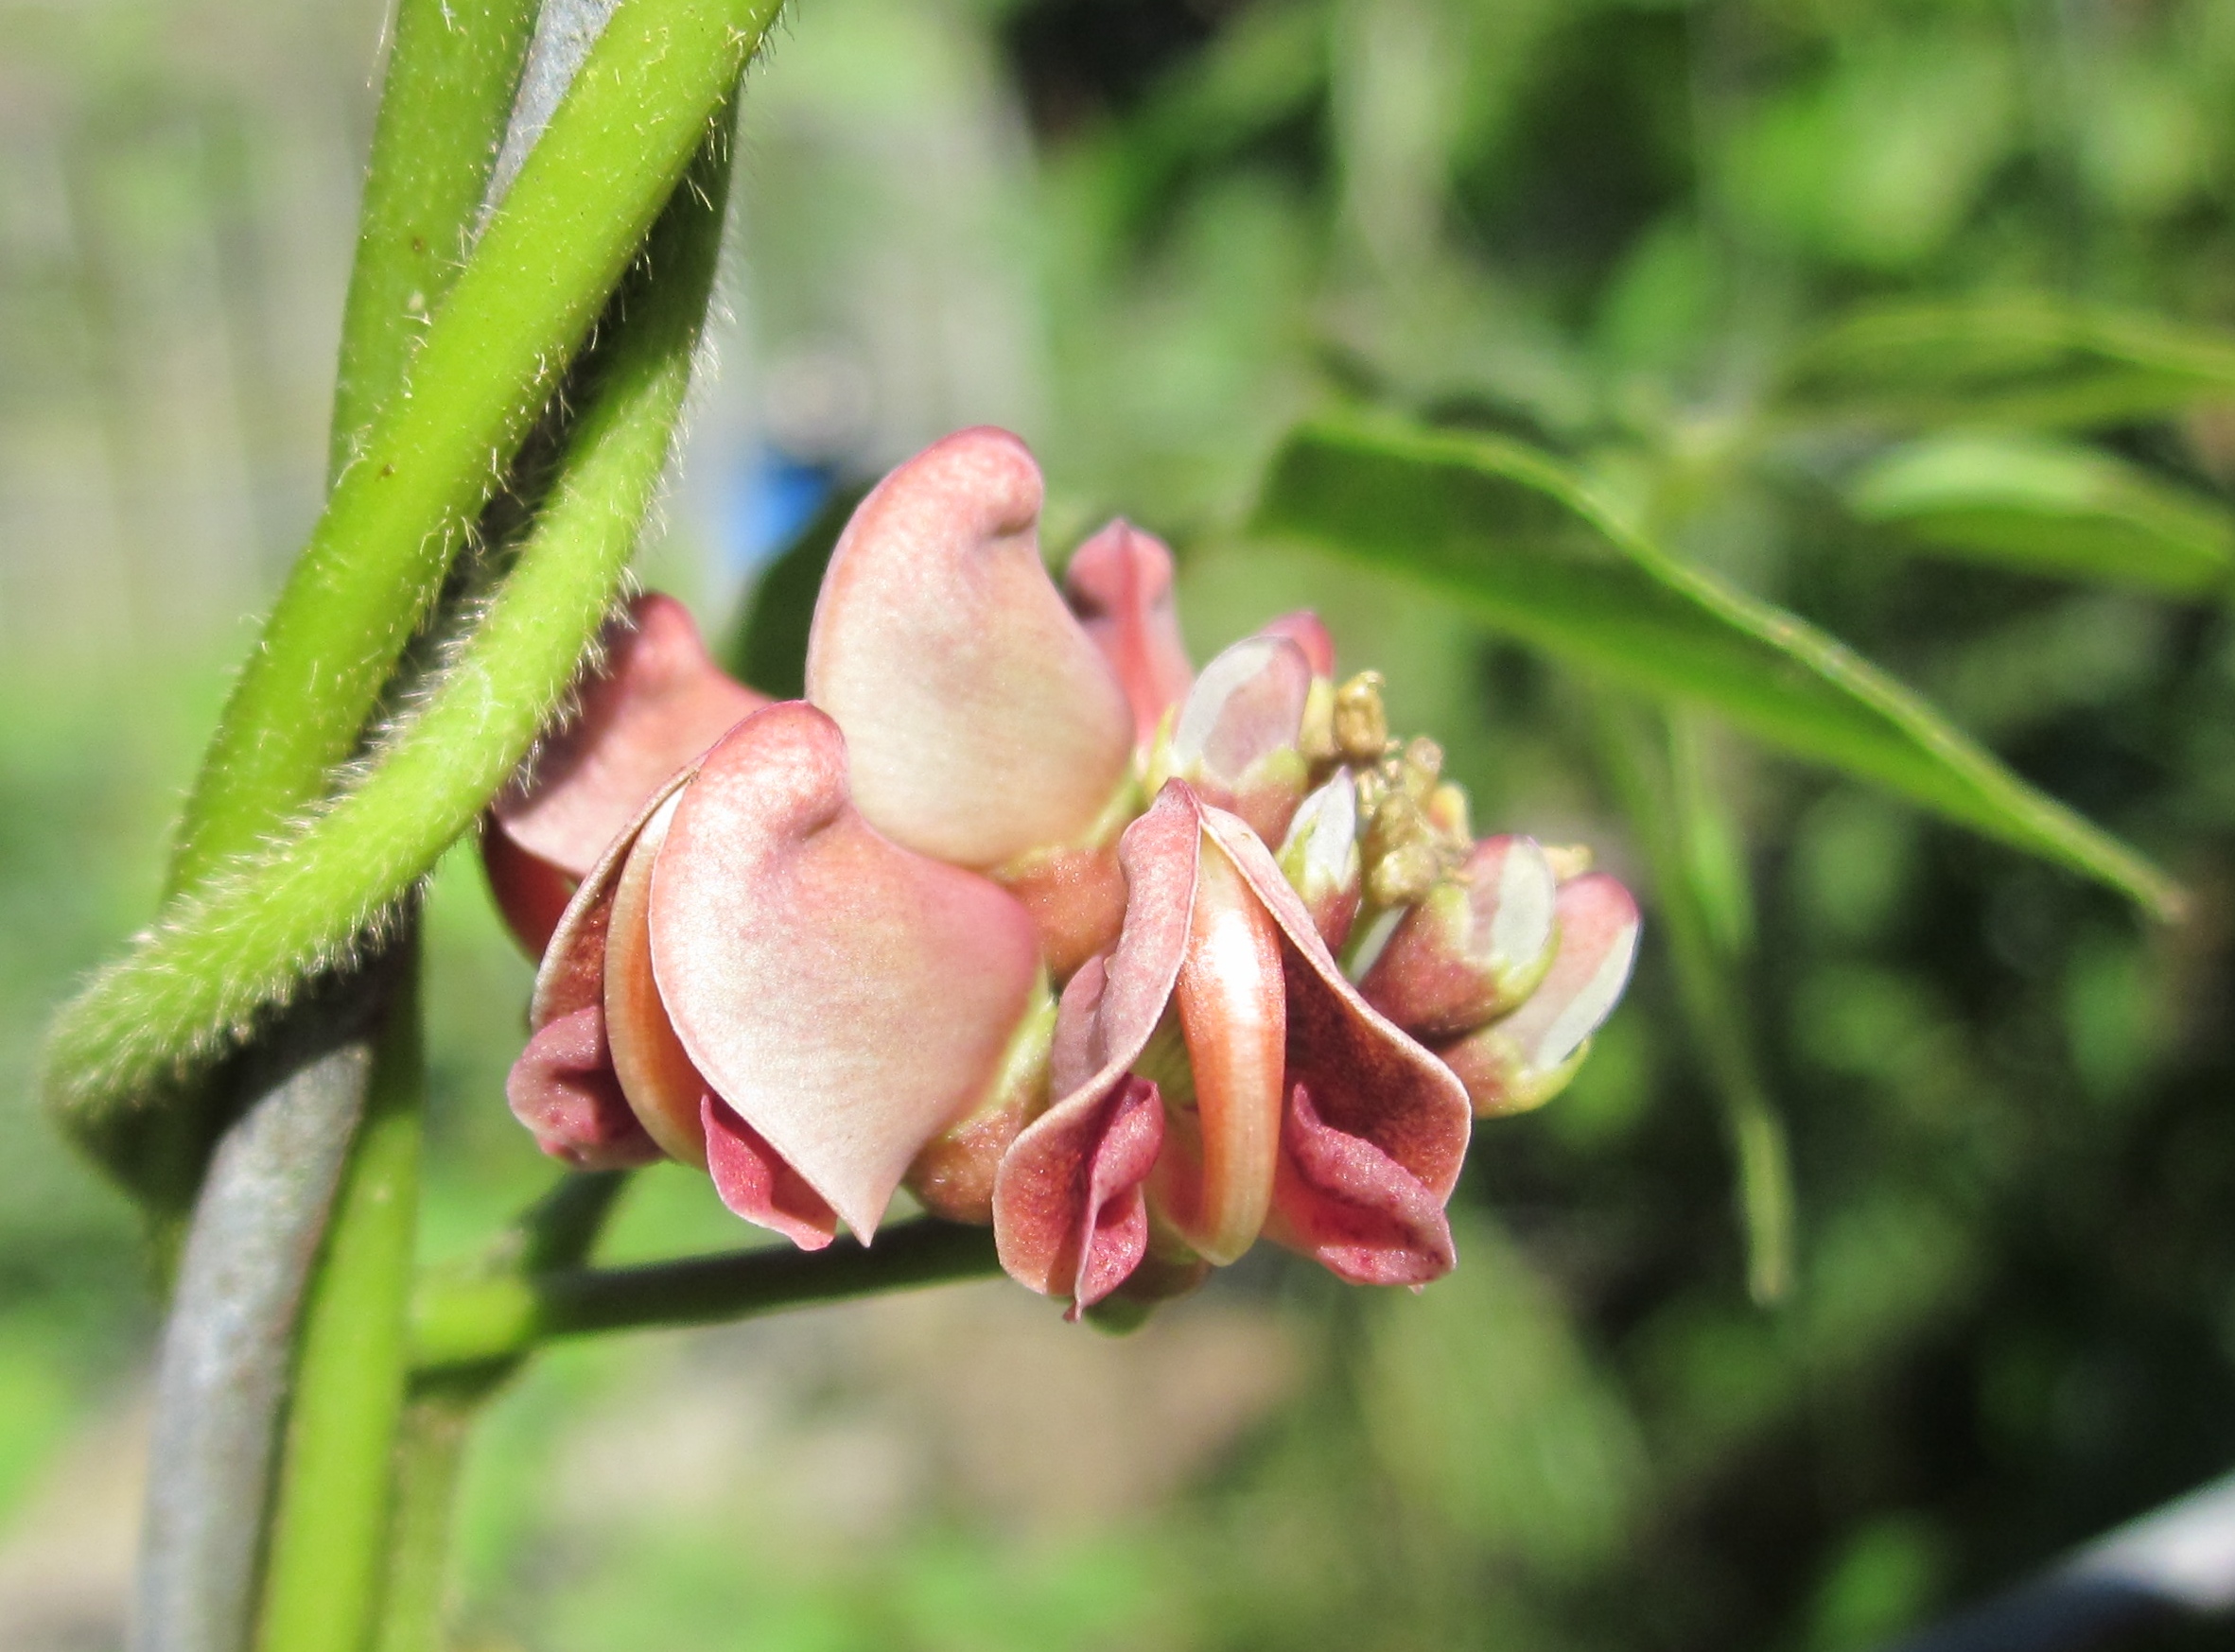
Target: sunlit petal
[[1474, 948], [847, 997], [981, 720]]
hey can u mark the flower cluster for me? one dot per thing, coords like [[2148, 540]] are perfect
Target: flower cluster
[[816, 947]]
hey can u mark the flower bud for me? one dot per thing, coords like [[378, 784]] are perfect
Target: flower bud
[[1472, 949], [1236, 739], [1528, 1058], [1320, 856]]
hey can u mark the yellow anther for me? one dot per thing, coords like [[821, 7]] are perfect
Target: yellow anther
[[1316, 739], [1403, 876], [1361, 724]]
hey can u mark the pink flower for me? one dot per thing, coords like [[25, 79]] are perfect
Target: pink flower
[[814, 957], [814, 947]]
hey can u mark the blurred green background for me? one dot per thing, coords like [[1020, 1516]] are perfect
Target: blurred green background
[[1149, 233]]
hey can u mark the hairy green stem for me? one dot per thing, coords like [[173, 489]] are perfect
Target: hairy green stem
[[461, 1325], [239, 942], [542, 270], [330, 1514], [1678, 823], [452, 68]]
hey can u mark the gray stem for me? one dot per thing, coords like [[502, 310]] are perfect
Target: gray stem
[[227, 1350]]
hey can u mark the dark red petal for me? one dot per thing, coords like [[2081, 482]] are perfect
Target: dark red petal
[[1353, 1208], [755, 1183], [1068, 1215], [562, 1089]]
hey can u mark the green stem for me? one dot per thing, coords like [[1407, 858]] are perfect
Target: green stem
[[462, 1326], [240, 941], [543, 268], [452, 69], [1705, 930], [330, 1512], [430, 1452]]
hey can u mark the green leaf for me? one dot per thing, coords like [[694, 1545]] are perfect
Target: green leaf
[[2011, 360], [1522, 544], [2050, 507]]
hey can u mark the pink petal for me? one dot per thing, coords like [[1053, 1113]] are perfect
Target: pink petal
[[1120, 585], [1070, 1219], [1359, 1212], [573, 968], [657, 703], [848, 997], [1235, 740], [1107, 1015], [1308, 631], [1526, 1059], [1366, 1077], [1215, 1182], [981, 720], [562, 1089], [1474, 949], [755, 1183]]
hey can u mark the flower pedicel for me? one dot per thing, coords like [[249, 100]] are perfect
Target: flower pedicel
[[816, 947]]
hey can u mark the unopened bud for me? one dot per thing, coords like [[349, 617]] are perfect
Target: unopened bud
[[1404, 875], [1236, 739], [1447, 813], [1526, 1059], [1420, 771], [1321, 857], [1316, 739], [1474, 946]]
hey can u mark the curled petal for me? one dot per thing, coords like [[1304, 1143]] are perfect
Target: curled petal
[[981, 720], [1363, 1215], [1321, 860], [849, 999], [1366, 1077], [1528, 1058], [1474, 948], [659, 701], [562, 1089], [1308, 631], [1071, 1219], [1120, 585], [1215, 1182], [662, 1084], [1236, 739], [1109, 1012], [755, 1183]]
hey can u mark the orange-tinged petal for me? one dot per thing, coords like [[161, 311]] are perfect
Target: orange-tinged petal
[[664, 1087], [1120, 585], [1076, 897], [657, 703], [1215, 1182], [981, 721], [849, 999]]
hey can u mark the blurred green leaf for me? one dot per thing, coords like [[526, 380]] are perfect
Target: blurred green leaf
[[2050, 507], [1525, 546], [2015, 360]]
